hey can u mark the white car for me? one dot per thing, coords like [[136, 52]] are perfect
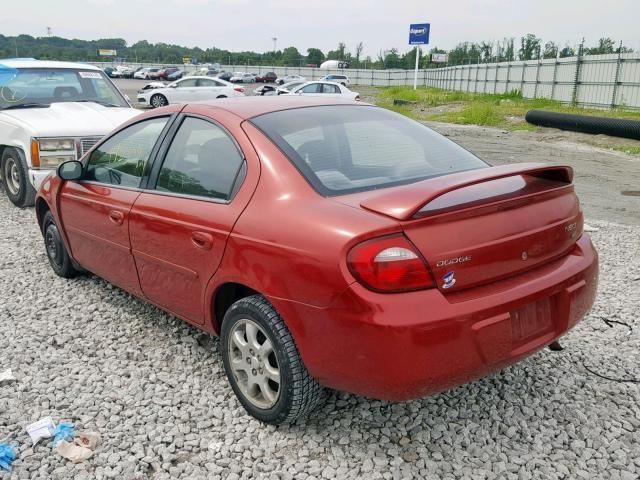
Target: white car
[[121, 71], [341, 79], [146, 73], [189, 89], [240, 77], [324, 89], [51, 112], [287, 87], [290, 78]]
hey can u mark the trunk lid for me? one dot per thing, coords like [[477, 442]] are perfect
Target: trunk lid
[[483, 225]]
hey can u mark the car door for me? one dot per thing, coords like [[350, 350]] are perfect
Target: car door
[[95, 210], [208, 89], [180, 225], [185, 91]]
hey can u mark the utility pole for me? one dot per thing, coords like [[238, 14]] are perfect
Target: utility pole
[[275, 41], [49, 32]]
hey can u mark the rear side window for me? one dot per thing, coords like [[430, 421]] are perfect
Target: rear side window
[[202, 161], [326, 88], [122, 159], [342, 148]]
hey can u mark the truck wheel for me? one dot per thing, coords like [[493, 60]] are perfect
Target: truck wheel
[[263, 364], [56, 251], [158, 101], [15, 178]]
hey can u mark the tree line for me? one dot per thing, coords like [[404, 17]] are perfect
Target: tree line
[[529, 47]]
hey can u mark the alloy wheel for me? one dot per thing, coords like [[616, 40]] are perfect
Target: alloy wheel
[[254, 364]]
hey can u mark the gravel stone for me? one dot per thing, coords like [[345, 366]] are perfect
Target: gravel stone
[[154, 387]]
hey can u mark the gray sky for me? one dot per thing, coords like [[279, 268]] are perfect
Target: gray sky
[[250, 24]]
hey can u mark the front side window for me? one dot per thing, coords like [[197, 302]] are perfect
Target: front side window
[[202, 161], [190, 82], [313, 88], [342, 149], [122, 159]]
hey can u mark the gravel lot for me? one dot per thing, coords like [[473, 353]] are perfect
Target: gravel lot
[[86, 352]]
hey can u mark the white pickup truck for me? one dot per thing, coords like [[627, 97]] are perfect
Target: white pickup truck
[[51, 112]]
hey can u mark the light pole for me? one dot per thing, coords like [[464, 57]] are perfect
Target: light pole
[[275, 40]]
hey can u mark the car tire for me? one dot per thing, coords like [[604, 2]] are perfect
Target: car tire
[[221, 96], [57, 254], [15, 178], [158, 100], [254, 335]]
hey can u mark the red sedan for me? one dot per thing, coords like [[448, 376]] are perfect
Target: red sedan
[[328, 243]]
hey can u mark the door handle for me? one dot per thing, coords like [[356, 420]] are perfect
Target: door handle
[[116, 217], [202, 240]]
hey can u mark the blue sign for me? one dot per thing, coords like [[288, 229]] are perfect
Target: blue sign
[[419, 33]]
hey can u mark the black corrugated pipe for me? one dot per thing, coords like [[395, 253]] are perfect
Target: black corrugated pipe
[[616, 127]]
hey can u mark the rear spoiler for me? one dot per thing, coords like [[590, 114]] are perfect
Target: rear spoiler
[[403, 202]]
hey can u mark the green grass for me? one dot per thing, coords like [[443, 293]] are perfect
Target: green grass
[[628, 149], [505, 110]]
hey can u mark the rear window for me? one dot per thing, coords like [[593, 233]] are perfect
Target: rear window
[[346, 148]]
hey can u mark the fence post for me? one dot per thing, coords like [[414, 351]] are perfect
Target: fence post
[[576, 80], [616, 79], [553, 82], [535, 90], [524, 69], [495, 80], [475, 85], [389, 80], [506, 85], [372, 82]]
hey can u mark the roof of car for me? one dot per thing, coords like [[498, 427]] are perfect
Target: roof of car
[[249, 107], [33, 63]]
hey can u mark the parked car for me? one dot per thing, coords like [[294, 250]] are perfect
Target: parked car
[[132, 72], [188, 89], [329, 243], [290, 78], [323, 89], [108, 71], [51, 112], [268, 77], [164, 73], [122, 72], [146, 73], [241, 77], [341, 79], [287, 87], [178, 74], [226, 76], [265, 90]]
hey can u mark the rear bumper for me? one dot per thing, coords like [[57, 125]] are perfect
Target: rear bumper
[[404, 346]]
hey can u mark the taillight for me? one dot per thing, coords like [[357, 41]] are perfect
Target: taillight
[[239, 89], [389, 264]]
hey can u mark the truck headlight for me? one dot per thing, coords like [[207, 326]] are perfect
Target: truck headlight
[[51, 152], [52, 161], [55, 144]]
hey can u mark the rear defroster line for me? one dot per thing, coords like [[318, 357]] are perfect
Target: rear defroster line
[[556, 347]]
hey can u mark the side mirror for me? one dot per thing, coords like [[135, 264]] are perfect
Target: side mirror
[[71, 170]]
